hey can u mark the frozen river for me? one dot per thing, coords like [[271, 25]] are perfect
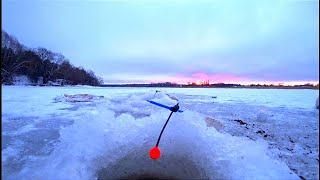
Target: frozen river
[[241, 134]]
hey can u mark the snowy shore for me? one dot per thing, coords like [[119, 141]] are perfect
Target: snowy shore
[[241, 134]]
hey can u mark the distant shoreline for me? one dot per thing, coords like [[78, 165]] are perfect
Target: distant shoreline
[[191, 87], [237, 87]]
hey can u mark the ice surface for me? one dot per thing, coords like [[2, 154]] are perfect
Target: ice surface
[[242, 134]]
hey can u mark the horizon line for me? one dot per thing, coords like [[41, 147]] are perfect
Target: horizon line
[[278, 83]]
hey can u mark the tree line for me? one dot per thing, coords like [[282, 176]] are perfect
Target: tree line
[[16, 59]]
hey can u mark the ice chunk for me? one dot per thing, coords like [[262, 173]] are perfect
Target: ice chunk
[[77, 98], [211, 122]]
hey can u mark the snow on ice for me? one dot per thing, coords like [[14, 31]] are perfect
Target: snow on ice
[[106, 133]]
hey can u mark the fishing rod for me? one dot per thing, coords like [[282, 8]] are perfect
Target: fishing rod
[[155, 151]]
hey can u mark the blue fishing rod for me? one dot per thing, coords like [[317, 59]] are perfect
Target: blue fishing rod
[[155, 151]]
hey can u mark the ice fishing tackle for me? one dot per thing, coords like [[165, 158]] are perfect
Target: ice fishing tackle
[[155, 152]]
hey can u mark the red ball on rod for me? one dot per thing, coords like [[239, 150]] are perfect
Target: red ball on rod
[[154, 153]]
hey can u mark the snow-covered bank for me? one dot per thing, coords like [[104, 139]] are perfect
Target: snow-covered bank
[[48, 139]]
